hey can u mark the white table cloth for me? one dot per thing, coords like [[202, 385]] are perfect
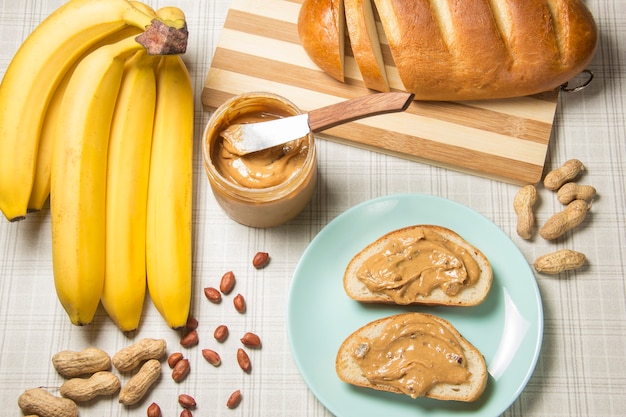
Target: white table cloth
[[581, 370]]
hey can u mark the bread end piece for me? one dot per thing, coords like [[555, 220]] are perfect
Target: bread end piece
[[321, 28]]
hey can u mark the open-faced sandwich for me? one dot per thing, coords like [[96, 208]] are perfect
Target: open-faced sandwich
[[416, 354], [422, 264]]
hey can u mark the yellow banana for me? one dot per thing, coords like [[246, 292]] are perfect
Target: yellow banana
[[78, 182], [143, 7], [168, 234], [41, 181], [173, 16], [32, 77], [127, 189]]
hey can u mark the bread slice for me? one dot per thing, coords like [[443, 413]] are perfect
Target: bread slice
[[366, 49], [349, 369], [468, 295], [321, 28]]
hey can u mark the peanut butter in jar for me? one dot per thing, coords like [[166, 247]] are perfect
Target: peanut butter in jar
[[265, 188]]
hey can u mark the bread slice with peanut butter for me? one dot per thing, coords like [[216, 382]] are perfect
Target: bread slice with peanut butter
[[417, 354], [421, 264]]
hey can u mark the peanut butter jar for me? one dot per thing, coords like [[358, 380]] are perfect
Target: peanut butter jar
[[265, 188]]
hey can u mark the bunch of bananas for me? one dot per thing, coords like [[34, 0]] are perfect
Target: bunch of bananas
[[96, 112]]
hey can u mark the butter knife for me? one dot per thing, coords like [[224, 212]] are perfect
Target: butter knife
[[251, 137]]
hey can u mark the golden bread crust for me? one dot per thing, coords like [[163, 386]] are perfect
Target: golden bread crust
[[474, 49], [321, 27], [365, 44]]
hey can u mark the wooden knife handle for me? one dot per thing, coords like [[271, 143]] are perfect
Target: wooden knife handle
[[358, 108]]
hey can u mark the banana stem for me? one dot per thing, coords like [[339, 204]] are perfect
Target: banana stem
[[161, 39]]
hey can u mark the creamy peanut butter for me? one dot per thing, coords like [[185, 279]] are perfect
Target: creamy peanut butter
[[415, 262], [412, 354], [262, 169], [265, 188]]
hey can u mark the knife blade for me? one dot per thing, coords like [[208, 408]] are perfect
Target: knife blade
[[246, 138]]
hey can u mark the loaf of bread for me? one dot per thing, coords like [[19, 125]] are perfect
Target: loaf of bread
[[421, 264], [454, 49], [417, 354]]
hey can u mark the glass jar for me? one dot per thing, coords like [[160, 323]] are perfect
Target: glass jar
[[266, 188]]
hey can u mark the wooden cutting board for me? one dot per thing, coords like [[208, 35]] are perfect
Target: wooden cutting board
[[259, 50]]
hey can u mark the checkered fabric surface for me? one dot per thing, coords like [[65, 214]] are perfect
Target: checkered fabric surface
[[581, 370]]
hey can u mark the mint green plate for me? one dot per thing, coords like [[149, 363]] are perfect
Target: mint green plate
[[507, 327]]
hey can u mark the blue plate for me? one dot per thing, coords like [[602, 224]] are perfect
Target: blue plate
[[507, 327]]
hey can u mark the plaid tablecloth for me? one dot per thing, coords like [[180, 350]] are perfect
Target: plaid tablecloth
[[581, 370]]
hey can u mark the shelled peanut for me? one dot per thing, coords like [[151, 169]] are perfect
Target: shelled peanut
[[239, 302], [187, 401], [190, 339], [234, 399], [227, 283], [251, 340], [174, 358], [212, 357], [261, 260], [154, 410]]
